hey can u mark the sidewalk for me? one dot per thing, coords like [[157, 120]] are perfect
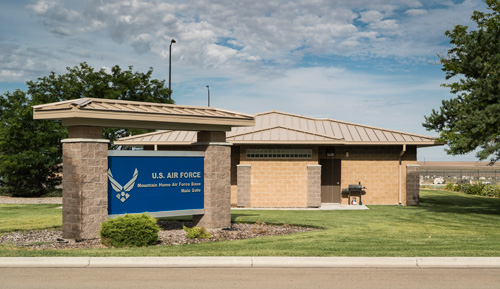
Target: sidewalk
[[324, 207], [251, 262]]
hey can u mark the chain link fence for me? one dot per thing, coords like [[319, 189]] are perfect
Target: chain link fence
[[487, 176]]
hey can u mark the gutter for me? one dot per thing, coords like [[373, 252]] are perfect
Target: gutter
[[403, 151]]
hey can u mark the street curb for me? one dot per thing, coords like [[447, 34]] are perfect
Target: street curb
[[250, 262]]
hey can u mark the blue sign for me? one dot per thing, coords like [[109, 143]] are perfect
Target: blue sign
[[161, 183]]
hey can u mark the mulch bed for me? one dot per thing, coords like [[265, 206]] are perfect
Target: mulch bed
[[171, 234]]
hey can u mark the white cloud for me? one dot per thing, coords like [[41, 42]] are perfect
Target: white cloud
[[416, 12], [227, 35], [7, 75], [42, 6], [389, 24], [371, 16], [277, 31]]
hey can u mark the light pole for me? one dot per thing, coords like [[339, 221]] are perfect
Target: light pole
[[208, 88], [170, 68]]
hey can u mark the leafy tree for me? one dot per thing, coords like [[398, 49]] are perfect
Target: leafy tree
[[471, 120], [83, 81], [31, 150]]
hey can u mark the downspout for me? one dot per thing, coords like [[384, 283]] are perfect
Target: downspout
[[400, 158]]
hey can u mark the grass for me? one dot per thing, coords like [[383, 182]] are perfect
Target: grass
[[29, 217], [445, 224]]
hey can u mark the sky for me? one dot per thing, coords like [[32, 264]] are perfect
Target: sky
[[372, 62]]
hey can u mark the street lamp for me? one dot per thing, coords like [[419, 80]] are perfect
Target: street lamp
[[208, 88], [170, 68]]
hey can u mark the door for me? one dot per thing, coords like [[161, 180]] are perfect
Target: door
[[330, 180]]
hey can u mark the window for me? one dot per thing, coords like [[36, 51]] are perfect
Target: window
[[279, 153]]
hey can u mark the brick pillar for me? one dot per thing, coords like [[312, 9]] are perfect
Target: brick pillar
[[85, 196], [412, 185], [314, 186], [244, 185], [217, 180]]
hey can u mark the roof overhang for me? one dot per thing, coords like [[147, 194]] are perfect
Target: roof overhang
[[342, 143], [143, 115], [276, 128], [335, 143]]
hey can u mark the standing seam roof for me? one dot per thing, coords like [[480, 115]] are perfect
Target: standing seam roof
[[280, 127]]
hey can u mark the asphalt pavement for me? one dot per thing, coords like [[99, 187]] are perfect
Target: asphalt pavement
[[250, 278]]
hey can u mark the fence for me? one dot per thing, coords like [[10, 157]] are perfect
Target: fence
[[454, 175]]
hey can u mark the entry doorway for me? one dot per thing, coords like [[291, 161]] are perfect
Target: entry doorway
[[330, 180]]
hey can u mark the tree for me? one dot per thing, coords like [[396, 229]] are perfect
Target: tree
[[31, 150], [471, 120], [30, 153], [83, 81]]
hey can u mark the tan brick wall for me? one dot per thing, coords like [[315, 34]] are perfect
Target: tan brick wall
[[314, 186], [234, 196], [283, 183], [377, 168], [244, 185], [279, 183]]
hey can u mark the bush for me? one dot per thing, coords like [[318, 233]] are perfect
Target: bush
[[491, 191], [457, 188], [476, 189], [197, 233], [130, 231], [449, 187]]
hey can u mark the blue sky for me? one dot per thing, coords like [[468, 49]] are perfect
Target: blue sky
[[368, 61]]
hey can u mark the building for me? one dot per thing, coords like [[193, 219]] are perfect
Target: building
[[289, 160]]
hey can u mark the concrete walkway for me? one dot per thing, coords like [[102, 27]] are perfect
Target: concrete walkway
[[324, 207], [251, 262], [58, 200]]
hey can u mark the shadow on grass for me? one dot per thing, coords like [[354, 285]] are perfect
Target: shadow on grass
[[459, 203]]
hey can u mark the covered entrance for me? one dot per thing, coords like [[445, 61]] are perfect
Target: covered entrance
[[85, 155], [330, 180]]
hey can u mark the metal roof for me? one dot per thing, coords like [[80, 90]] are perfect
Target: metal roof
[[134, 114], [276, 127]]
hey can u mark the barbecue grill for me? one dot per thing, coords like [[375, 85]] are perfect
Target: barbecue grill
[[354, 189]]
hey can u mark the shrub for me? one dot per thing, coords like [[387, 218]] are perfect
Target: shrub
[[475, 189], [449, 186], [491, 190], [457, 188], [130, 231], [197, 233], [464, 188]]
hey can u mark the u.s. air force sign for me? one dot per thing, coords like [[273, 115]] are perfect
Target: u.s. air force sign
[[161, 183]]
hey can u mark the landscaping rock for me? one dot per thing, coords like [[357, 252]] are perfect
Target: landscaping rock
[[171, 234]]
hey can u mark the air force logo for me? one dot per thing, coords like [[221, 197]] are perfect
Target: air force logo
[[122, 191]]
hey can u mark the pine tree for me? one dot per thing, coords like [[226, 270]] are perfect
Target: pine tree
[[471, 119]]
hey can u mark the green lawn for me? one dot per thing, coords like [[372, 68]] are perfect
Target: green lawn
[[445, 224], [29, 217]]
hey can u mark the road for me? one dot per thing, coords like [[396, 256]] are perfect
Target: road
[[254, 278]]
